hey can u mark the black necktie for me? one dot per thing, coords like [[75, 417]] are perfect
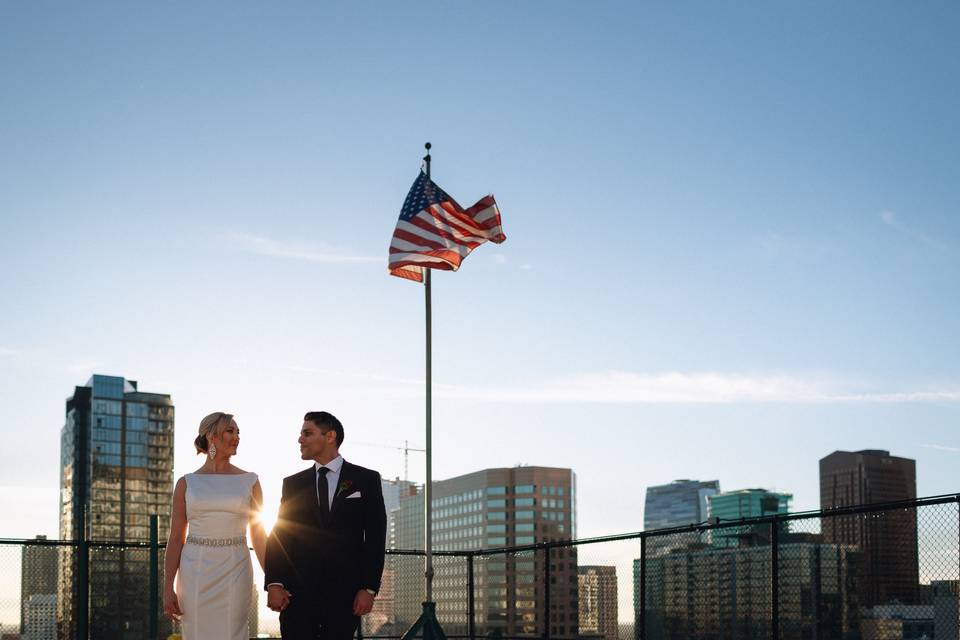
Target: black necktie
[[323, 492]]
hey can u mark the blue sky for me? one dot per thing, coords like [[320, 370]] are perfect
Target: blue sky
[[732, 234]]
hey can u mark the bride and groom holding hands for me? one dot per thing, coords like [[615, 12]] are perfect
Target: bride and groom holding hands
[[322, 561]]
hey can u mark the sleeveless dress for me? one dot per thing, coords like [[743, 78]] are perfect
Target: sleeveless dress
[[215, 582]]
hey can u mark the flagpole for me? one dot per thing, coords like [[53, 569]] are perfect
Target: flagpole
[[428, 487], [427, 624]]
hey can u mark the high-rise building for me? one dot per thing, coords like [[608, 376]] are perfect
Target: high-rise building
[[38, 575], [946, 608], [730, 506], [598, 601], [406, 532], [490, 509], [381, 619], [116, 453], [393, 491], [41, 621], [717, 592], [679, 503], [888, 539]]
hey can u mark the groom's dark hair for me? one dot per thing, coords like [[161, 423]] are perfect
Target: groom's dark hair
[[325, 422]]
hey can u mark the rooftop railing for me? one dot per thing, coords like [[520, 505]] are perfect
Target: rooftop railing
[[859, 572]]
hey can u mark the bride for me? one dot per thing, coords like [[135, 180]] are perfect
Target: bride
[[217, 502]]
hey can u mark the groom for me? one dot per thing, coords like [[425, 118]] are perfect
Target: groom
[[325, 554]]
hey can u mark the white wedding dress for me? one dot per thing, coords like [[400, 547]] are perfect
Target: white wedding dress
[[215, 582]]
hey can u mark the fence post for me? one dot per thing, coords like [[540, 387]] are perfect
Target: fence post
[[546, 593], [153, 625], [640, 629], [471, 604], [775, 579], [82, 586]]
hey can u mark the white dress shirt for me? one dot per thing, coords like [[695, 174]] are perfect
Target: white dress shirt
[[333, 478]]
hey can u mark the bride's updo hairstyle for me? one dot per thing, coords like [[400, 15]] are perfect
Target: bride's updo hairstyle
[[212, 425]]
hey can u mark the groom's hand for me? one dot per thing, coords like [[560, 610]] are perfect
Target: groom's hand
[[362, 603], [278, 598]]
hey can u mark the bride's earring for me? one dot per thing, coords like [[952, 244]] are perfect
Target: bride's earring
[[212, 451]]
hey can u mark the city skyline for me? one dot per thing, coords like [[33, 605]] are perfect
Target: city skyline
[[527, 480]]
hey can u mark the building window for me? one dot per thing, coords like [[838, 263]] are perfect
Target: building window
[[525, 502], [496, 504], [496, 491], [496, 515], [496, 528], [522, 540], [523, 515], [497, 541], [525, 527], [524, 488]]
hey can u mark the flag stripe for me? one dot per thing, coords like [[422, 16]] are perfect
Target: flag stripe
[[482, 233], [451, 257], [433, 226], [447, 214], [399, 245], [410, 273], [452, 260], [413, 236]]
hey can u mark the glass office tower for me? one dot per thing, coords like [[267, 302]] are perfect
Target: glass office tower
[[680, 503], [731, 506], [487, 509], [116, 453]]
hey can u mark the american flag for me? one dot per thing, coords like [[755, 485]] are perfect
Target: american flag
[[434, 232]]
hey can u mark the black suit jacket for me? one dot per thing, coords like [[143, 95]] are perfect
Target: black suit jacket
[[336, 557]]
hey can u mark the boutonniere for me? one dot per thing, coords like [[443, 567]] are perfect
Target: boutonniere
[[344, 486]]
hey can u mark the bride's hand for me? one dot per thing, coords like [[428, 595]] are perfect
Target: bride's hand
[[171, 606]]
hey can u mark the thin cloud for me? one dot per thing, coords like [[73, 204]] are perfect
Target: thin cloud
[[624, 387], [5, 351], [621, 387], [889, 218], [264, 246], [941, 447], [499, 258]]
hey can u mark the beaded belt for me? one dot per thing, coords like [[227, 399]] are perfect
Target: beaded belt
[[239, 541]]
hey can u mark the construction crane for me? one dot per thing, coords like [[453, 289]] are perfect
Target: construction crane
[[406, 448]]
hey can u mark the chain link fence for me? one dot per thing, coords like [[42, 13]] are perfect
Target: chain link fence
[[874, 572]]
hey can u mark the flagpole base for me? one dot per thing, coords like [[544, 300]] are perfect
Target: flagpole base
[[426, 625]]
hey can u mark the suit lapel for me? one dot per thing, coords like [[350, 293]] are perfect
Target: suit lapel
[[345, 486]]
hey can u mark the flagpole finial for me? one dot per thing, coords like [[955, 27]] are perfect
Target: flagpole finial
[[426, 158]]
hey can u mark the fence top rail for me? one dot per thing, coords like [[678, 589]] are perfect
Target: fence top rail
[[39, 542], [692, 528]]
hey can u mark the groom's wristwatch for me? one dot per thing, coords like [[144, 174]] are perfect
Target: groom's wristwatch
[[371, 592]]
